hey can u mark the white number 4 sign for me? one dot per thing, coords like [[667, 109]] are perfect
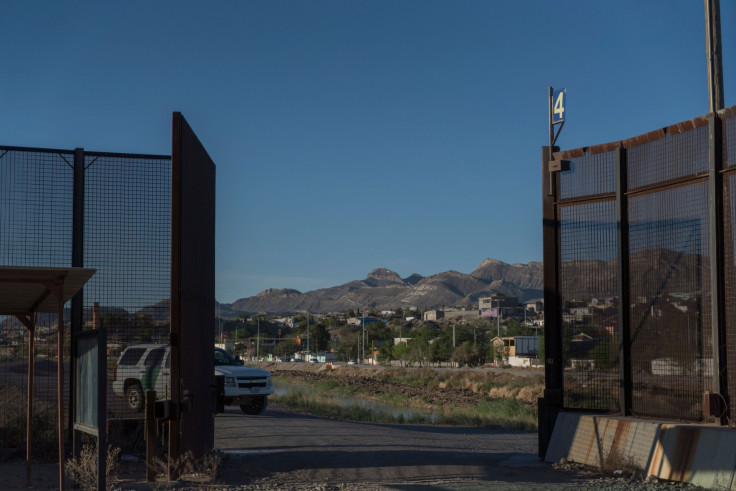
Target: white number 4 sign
[[558, 109]]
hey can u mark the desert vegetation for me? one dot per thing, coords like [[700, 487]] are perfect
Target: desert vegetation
[[408, 395]]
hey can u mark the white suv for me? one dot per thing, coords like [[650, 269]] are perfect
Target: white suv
[[147, 367], [142, 367]]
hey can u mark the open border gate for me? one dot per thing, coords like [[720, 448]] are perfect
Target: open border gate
[[146, 223]]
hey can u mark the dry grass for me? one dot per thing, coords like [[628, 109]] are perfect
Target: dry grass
[[615, 462], [528, 395], [190, 470], [13, 426], [83, 469]]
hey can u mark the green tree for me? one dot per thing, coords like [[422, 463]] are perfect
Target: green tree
[[320, 337], [285, 348], [440, 349], [400, 351], [540, 346], [386, 352], [467, 354], [348, 342]]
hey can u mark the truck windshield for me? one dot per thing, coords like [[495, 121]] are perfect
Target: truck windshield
[[225, 358]]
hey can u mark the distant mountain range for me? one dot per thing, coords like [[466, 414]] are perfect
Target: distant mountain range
[[384, 289]]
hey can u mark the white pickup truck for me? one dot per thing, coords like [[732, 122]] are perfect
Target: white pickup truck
[[247, 387], [144, 367]]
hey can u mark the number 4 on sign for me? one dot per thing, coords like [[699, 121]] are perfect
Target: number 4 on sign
[[558, 109]]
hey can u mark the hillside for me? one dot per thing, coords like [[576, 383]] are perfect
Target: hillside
[[384, 289]]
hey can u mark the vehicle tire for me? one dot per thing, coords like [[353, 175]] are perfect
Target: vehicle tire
[[256, 405], [134, 397]]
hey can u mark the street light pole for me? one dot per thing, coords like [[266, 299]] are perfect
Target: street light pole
[[362, 324], [307, 335], [498, 318]]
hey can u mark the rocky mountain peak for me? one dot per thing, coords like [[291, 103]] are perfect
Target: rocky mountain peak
[[383, 277], [285, 292], [413, 279], [488, 262]]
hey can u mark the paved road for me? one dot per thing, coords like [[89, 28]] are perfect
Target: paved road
[[280, 449]]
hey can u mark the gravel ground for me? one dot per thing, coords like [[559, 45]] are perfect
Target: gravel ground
[[287, 451], [283, 450]]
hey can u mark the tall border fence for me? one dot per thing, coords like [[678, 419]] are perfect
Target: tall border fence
[[639, 257], [146, 224]]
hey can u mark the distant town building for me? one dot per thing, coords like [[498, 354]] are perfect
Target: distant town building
[[535, 305], [497, 300], [461, 314], [433, 315], [362, 321]]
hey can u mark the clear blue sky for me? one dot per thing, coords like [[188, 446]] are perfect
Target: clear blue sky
[[353, 135]]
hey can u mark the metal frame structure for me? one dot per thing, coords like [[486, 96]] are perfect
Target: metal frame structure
[[650, 174], [24, 292], [146, 223]]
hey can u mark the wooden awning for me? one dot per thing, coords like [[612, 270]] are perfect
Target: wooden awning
[[25, 290]]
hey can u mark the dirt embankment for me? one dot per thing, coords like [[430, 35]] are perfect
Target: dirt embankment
[[434, 386]]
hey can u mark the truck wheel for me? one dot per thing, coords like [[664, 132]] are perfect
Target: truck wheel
[[134, 396], [256, 405]]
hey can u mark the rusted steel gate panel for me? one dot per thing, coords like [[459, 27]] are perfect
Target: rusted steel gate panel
[[192, 293]]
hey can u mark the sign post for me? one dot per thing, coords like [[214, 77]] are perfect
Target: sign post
[[557, 108]]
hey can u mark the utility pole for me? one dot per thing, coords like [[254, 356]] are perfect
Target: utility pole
[[258, 338], [498, 318], [715, 61], [363, 327]]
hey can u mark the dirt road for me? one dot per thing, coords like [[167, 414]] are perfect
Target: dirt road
[[288, 451], [284, 450]]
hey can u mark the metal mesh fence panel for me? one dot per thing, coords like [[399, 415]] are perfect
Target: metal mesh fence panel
[[729, 248], [588, 289], [666, 311], [729, 140], [729, 252], [36, 191], [128, 239], [35, 217], [674, 156], [589, 175], [671, 346]]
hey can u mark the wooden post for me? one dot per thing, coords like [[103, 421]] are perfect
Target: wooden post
[[60, 380], [151, 437], [29, 410]]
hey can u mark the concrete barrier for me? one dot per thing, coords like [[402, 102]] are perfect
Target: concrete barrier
[[697, 454]]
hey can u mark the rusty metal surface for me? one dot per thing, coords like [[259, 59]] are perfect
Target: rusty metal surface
[[667, 190], [193, 286]]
